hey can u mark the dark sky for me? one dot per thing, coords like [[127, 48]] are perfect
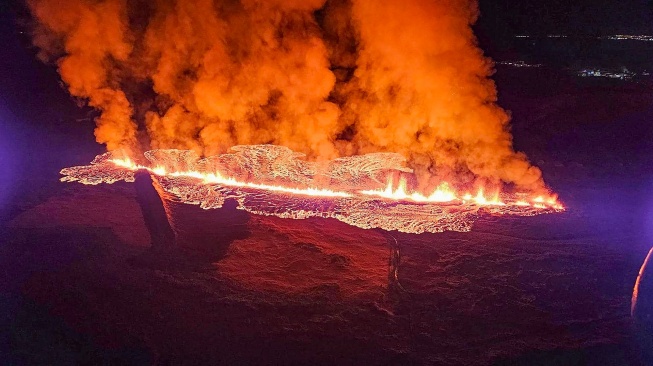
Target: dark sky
[[504, 17]]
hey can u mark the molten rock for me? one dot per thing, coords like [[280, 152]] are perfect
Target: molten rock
[[273, 180]]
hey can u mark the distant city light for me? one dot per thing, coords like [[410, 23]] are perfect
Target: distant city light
[[586, 71], [616, 37], [610, 74], [548, 36], [518, 64], [622, 74], [630, 37]]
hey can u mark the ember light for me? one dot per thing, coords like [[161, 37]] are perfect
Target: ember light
[[273, 180]]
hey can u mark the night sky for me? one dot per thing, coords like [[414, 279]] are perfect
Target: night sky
[[580, 17], [506, 18], [500, 20]]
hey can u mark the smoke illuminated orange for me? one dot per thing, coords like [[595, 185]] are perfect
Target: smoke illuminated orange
[[365, 76]]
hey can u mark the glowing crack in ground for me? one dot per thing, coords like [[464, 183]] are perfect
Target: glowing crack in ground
[[274, 180]]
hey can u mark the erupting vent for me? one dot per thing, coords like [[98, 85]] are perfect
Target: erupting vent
[[274, 180]]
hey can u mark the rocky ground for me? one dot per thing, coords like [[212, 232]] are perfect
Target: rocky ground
[[80, 285]]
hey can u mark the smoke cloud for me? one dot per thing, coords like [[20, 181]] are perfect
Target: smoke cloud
[[325, 78]]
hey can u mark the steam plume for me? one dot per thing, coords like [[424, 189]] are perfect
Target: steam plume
[[328, 79]]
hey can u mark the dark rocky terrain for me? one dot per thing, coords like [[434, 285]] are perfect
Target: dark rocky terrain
[[80, 286]]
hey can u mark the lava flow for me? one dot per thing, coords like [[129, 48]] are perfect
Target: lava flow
[[274, 180]]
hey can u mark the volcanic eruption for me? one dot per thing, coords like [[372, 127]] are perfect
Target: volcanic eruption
[[379, 114]]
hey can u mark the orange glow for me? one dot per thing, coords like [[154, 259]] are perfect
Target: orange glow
[[272, 180], [444, 193], [217, 178], [276, 81]]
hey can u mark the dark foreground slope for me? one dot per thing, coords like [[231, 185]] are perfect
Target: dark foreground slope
[[307, 291]]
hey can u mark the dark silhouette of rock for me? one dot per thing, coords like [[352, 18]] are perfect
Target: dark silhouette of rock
[[154, 212]]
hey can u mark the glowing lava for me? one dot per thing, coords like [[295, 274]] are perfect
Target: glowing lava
[[443, 193], [273, 180], [217, 178]]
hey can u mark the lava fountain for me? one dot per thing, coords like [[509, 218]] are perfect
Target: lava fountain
[[366, 191]]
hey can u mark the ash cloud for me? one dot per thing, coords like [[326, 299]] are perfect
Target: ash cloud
[[325, 78]]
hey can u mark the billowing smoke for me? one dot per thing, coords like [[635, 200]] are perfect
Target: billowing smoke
[[89, 40], [326, 78]]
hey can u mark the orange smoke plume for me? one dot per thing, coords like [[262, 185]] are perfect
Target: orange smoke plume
[[89, 40], [421, 88], [326, 78]]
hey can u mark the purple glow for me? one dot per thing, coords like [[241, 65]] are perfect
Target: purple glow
[[8, 159]]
